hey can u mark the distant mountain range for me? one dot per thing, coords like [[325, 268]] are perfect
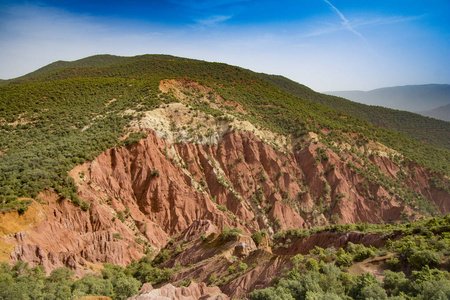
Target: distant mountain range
[[421, 99], [442, 113]]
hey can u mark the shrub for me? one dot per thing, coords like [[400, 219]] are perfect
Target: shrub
[[424, 258], [360, 252], [85, 206], [393, 262], [365, 286], [242, 267], [121, 216], [212, 279], [92, 285], [231, 270], [312, 265], [296, 260], [427, 274], [373, 291], [126, 287], [257, 238], [396, 282], [161, 257], [343, 259], [228, 233]]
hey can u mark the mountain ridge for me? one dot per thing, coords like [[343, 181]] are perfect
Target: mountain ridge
[[419, 127], [442, 113], [413, 98]]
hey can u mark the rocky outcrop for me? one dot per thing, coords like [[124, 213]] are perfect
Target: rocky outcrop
[[71, 237], [142, 194], [195, 291]]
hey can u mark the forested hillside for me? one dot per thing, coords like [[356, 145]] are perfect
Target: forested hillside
[[427, 130], [63, 115]]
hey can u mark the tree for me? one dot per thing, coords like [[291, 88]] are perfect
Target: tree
[[126, 287], [424, 258], [312, 265]]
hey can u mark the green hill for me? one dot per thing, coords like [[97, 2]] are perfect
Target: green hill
[[62, 115], [428, 130]]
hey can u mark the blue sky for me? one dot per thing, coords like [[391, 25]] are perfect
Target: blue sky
[[324, 44]]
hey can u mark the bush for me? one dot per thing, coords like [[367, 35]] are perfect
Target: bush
[[393, 263], [126, 287], [360, 252], [435, 290], [312, 265], [85, 205], [373, 291], [121, 216], [296, 260], [257, 238], [228, 233], [92, 285], [396, 282], [343, 259], [427, 274], [424, 258], [161, 257], [231, 270], [212, 279], [242, 267], [364, 286]]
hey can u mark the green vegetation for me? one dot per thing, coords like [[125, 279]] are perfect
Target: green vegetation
[[421, 251], [419, 267], [258, 236], [228, 234], [22, 282], [134, 137], [431, 131], [68, 112]]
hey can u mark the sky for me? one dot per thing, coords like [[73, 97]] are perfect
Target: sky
[[324, 44]]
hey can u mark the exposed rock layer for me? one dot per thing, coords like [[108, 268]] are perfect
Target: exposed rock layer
[[151, 190]]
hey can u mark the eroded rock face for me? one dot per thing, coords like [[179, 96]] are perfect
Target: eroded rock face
[[243, 182], [194, 291], [71, 237], [151, 190]]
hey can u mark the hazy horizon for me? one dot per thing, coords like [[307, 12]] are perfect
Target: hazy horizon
[[326, 45]]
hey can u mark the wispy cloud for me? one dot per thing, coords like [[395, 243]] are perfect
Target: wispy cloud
[[206, 4], [213, 20], [386, 20], [345, 22], [323, 28]]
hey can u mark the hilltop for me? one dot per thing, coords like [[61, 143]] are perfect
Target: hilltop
[[120, 158]]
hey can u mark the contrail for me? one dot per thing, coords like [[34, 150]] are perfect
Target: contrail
[[346, 22]]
